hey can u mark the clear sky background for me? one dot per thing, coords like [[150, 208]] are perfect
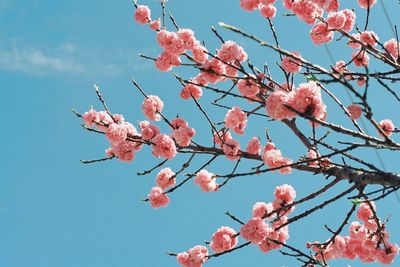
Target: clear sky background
[[55, 211]]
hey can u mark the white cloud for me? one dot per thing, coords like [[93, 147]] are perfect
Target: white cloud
[[36, 62], [69, 59]]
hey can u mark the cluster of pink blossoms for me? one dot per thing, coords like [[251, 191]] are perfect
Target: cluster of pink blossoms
[[290, 64], [266, 7], [142, 16], [236, 119], [175, 44], [365, 241], [164, 179], [117, 132], [248, 88], [206, 180], [392, 46], [305, 99], [182, 133], [194, 257], [230, 146], [273, 158], [217, 69], [259, 232]]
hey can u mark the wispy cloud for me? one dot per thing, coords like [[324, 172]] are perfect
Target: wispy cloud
[[68, 59], [36, 62]]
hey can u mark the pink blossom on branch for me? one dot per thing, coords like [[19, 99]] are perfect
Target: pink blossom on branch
[[206, 181], [225, 238], [157, 198], [195, 257], [236, 119], [151, 107], [142, 14], [165, 178]]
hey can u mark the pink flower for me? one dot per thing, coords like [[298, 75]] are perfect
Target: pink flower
[[187, 38], [285, 194], [142, 14], [355, 111], [148, 131], [288, 4], [116, 133], [333, 5], [268, 11], [392, 46], [312, 154], [206, 181], [273, 158], [261, 208], [231, 51], [191, 90], [360, 58], [124, 151], [157, 198], [321, 34], [249, 5], [151, 106], [308, 100], [353, 42], [366, 3], [254, 230], [179, 122], [183, 135], [165, 178], [276, 105], [267, 2], [195, 257], [361, 81], [248, 88], [387, 257], [171, 42], [231, 149], [90, 117], [166, 60], [369, 37], [289, 64], [364, 212], [336, 20], [254, 146], [214, 71], [155, 24], [350, 20], [221, 137], [164, 146], [199, 55], [223, 239], [236, 119], [307, 10], [387, 126]]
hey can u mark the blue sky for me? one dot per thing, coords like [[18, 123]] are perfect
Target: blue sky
[[54, 211]]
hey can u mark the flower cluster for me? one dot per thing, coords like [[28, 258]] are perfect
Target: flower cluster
[[266, 7], [305, 99], [269, 236], [236, 119], [364, 241], [206, 181], [143, 16], [123, 136], [182, 133], [194, 257], [273, 158]]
